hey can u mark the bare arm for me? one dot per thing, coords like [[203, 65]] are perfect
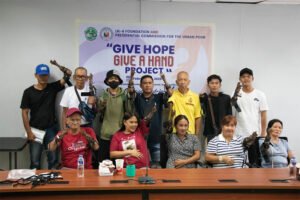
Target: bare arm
[[263, 123], [290, 154], [167, 86], [121, 154], [92, 142], [30, 135], [197, 126], [63, 118], [56, 141], [180, 163], [53, 145], [213, 158]]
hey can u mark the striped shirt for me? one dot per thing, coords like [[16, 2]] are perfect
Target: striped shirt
[[234, 150]]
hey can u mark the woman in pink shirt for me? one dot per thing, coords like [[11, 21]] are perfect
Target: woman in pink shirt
[[129, 142]]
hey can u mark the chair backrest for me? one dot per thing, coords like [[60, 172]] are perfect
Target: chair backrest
[[254, 153]]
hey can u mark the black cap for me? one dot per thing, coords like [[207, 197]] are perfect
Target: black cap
[[246, 71], [111, 73]]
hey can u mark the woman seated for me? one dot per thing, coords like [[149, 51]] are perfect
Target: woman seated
[[183, 148], [275, 151], [226, 150], [129, 142], [75, 141]]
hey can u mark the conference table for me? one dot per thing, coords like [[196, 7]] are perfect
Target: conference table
[[251, 183]]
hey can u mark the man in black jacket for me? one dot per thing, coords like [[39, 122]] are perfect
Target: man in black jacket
[[216, 105]]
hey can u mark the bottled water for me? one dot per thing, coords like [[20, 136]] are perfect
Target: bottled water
[[80, 166], [293, 163]]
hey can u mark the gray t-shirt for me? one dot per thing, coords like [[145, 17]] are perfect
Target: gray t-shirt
[[278, 154]]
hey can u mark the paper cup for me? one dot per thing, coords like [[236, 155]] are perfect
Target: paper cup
[[119, 166]]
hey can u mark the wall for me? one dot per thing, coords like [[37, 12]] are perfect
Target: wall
[[262, 37]]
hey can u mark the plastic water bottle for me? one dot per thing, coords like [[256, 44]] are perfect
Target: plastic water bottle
[[80, 166], [293, 163]]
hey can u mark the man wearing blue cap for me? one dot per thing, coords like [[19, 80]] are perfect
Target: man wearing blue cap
[[38, 101]]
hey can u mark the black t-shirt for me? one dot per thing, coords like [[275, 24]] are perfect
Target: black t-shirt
[[221, 107], [41, 104], [144, 106]]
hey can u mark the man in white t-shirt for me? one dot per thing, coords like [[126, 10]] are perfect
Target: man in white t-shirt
[[70, 99], [253, 104]]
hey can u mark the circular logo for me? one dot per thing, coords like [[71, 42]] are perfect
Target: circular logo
[[106, 33], [90, 33]]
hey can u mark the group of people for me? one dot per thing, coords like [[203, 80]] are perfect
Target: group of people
[[131, 123]]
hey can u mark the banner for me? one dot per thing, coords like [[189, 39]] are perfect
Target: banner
[[149, 49]]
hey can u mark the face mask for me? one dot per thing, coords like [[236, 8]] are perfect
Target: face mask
[[113, 84]]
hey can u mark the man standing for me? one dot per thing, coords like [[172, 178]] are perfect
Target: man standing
[[253, 105], [112, 104], [39, 101], [185, 102], [70, 98], [216, 106], [144, 103]]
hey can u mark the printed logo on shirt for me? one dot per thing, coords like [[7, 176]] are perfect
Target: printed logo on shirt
[[190, 102], [129, 144], [256, 99], [77, 146]]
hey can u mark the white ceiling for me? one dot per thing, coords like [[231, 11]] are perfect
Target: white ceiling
[[289, 2]]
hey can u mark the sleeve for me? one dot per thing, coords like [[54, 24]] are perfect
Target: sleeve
[[92, 133], [172, 98], [196, 143], [114, 143], [263, 103], [64, 100], [286, 145], [229, 107], [198, 110], [25, 103], [212, 146], [57, 86]]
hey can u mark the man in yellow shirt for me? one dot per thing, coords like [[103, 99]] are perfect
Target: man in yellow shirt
[[185, 102]]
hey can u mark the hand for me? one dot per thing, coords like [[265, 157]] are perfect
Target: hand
[[169, 124], [102, 105], [68, 72], [59, 137], [30, 136], [179, 163], [136, 153], [228, 160], [91, 100], [151, 113]]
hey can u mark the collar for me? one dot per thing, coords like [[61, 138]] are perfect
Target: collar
[[147, 98], [221, 137], [188, 92], [185, 137]]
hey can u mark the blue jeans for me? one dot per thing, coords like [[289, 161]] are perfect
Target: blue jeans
[[154, 150], [36, 150]]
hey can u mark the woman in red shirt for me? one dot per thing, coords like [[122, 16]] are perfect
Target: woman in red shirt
[[129, 142]]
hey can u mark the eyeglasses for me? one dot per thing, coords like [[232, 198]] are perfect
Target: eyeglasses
[[80, 77]]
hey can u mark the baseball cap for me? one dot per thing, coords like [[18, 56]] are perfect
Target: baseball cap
[[72, 111], [111, 73], [42, 69], [246, 71]]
